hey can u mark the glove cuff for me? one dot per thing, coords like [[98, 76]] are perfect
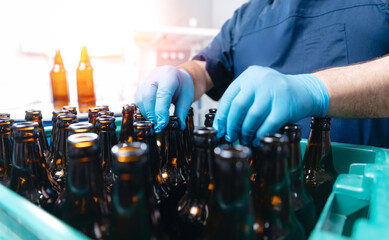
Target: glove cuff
[[319, 94]]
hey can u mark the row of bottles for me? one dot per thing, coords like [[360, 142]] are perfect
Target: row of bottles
[[175, 185], [85, 85]]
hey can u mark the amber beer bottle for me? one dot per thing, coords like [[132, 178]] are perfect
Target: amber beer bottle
[[188, 135], [319, 172], [5, 150], [105, 127], [230, 216], [270, 192], [83, 204], [105, 113], [82, 127], [303, 205], [56, 113], [71, 109], [92, 114], [209, 117], [58, 160], [193, 209], [127, 129], [85, 86], [36, 116], [28, 173], [130, 212], [59, 84]]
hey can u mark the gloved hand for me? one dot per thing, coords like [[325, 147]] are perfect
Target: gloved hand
[[261, 100], [163, 86]]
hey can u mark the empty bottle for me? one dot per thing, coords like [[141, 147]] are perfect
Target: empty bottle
[[193, 209], [319, 172], [82, 127], [106, 129], [130, 212], [303, 205], [28, 173], [56, 113], [229, 215], [5, 150], [127, 129], [36, 116], [71, 109], [92, 114], [188, 135], [59, 84], [209, 117], [85, 86], [270, 192], [83, 204], [58, 160]]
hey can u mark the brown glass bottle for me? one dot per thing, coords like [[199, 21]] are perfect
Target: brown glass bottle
[[319, 172], [5, 150], [127, 129], [36, 116], [174, 172], [105, 113], [303, 205], [29, 177], [83, 204], [59, 84], [104, 107], [106, 129], [85, 86], [209, 117], [92, 114], [188, 135], [130, 208], [193, 209], [58, 160], [270, 192], [230, 216], [56, 113], [82, 127]]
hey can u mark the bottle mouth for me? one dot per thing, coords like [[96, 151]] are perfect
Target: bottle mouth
[[95, 109], [139, 116], [130, 152], [105, 119], [83, 140], [205, 131], [25, 126], [33, 111], [82, 127], [60, 112], [105, 114], [143, 124], [131, 106], [292, 131], [276, 139], [5, 115], [321, 123], [103, 107], [212, 110], [233, 153], [70, 109], [66, 117], [6, 121]]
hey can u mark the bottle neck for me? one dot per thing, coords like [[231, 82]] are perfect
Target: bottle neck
[[319, 147], [60, 148], [127, 131], [295, 166], [173, 149], [147, 135], [200, 175], [107, 141]]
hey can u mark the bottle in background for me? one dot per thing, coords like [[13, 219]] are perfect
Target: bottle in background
[[85, 86], [193, 209], [209, 117], [127, 129], [188, 135], [319, 171], [270, 192], [54, 133], [4, 115], [71, 109], [130, 212], [230, 216], [28, 173], [5, 150], [36, 116], [59, 84], [83, 204], [303, 205], [139, 117], [106, 130], [58, 159], [92, 114]]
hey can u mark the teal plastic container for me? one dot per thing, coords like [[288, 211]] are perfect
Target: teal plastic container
[[358, 207]]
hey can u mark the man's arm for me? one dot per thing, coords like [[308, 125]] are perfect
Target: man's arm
[[360, 90], [201, 80]]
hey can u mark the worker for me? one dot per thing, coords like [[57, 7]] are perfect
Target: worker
[[277, 62]]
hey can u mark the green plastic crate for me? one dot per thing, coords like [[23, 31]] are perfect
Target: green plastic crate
[[356, 207]]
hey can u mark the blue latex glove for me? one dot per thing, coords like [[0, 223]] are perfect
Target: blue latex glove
[[163, 86], [261, 100]]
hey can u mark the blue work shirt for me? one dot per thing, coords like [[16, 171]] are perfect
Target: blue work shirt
[[303, 36]]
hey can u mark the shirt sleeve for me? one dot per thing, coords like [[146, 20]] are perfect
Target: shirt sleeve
[[218, 55]]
